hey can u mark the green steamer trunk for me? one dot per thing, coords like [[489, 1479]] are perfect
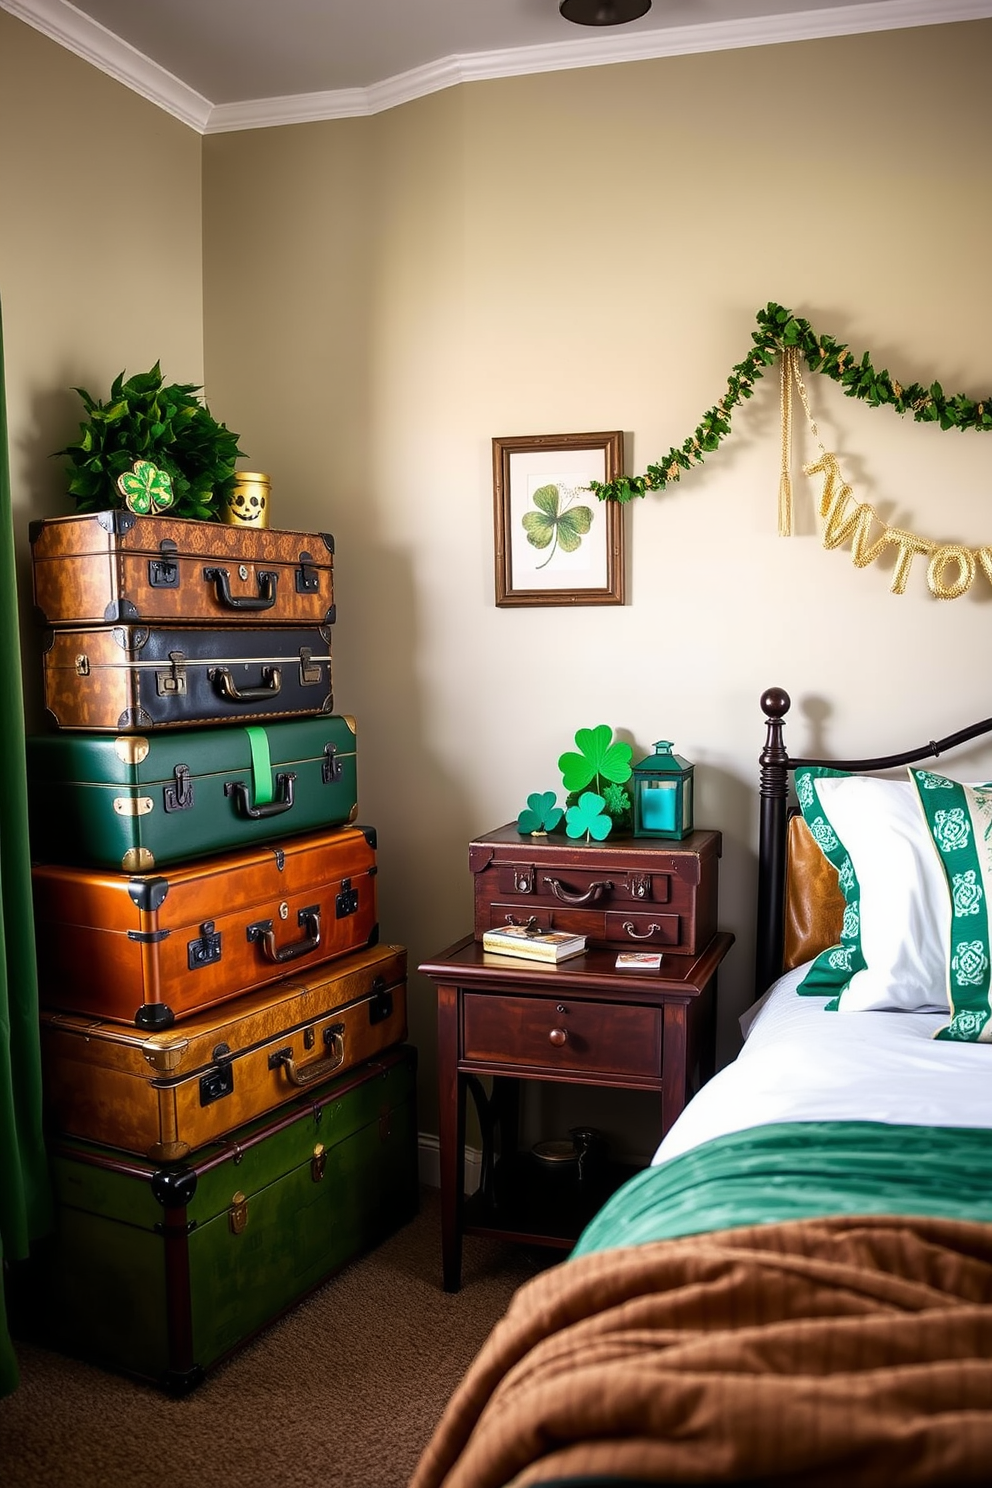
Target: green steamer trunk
[[133, 803], [162, 1271]]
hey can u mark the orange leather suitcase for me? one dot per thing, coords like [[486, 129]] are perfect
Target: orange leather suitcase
[[163, 1095], [148, 949], [112, 566]]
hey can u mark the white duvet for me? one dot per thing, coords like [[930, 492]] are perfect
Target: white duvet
[[800, 1063]]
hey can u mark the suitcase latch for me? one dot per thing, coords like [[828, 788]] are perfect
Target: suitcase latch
[[638, 885], [206, 950], [179, 795], [237, 1215], [380, 1003], [309, 670], [307, 577], [330, 770], [219, 1081], [523, 879], [318, 1163], [82, 665], [173, 682], [163, 573], [346, 902]]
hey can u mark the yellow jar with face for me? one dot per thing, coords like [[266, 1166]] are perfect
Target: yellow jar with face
[[248, 503]]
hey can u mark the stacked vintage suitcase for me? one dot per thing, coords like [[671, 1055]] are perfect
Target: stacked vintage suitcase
[[230, 1102]]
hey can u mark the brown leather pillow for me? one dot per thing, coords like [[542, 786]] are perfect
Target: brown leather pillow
[[814, 904]]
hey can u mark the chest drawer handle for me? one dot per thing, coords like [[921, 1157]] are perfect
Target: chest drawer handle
[[593, 892], [558, 1036], [636, 935]]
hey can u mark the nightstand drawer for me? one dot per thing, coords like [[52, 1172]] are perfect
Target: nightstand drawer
[[625, 927], [545, 1033], [645, 929]]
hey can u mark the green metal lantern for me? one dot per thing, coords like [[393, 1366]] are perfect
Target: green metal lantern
[[662, 787]]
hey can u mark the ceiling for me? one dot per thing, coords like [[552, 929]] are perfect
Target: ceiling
[[235, 64]]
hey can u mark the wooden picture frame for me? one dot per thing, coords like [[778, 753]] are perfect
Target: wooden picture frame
[[534, 566]]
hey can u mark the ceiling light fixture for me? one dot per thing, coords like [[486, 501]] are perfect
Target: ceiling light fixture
[[603, 12]]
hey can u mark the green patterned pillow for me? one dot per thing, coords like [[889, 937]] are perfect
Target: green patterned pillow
[[959, 821], [833, 968]]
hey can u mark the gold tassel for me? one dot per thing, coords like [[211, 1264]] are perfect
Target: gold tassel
[[785, 476]]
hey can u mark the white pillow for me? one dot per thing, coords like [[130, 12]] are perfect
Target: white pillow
[[902, 912]]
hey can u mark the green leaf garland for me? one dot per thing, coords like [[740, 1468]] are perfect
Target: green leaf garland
[[778, 328]]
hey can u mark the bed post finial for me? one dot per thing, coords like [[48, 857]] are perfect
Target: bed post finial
[[776, 702], [774, 795]]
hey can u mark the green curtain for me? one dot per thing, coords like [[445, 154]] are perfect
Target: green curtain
[[25, 1203]]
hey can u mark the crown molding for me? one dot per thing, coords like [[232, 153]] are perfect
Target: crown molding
[[67, 26]]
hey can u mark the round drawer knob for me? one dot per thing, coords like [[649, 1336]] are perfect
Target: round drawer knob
[[558, 1036]]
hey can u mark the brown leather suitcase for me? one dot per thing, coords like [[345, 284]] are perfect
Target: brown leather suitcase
[[163, 1095], [108, 567], [626, 892], [150, 948], [131, 678]]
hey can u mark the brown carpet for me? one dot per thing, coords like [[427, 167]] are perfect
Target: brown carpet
[[343, 1392]]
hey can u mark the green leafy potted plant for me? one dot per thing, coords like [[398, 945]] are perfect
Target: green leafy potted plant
[[167, 426]]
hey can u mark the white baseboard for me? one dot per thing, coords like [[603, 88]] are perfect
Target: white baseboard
[[429, 1163]]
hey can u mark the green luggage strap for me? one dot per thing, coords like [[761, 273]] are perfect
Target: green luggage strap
[[261, 766]]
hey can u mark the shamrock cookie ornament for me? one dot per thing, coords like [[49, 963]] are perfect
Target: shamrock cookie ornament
[[146, 489]]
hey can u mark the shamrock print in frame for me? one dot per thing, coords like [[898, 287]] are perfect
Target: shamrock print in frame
[[556, 543]]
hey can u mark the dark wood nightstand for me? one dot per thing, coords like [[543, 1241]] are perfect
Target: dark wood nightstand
[[583, 1023]]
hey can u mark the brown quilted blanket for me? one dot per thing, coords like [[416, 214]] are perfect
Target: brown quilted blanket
[[816, 1352]]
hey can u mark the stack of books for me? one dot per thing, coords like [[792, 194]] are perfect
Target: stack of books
[[533, 945]]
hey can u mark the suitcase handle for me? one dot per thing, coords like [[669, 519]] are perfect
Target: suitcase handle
[[267, 582], [317, 1069], [593, 892], [263, 934], [283, 801], [224, 683]]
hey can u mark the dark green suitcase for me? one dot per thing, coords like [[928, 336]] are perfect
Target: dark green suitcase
[[134, 803], [160, 1271]]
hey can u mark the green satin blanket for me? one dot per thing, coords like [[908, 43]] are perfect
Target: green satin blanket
[[801, 1170]]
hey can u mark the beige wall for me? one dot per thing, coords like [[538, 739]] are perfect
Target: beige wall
[[587, 250], [100, 261], [572, 251]]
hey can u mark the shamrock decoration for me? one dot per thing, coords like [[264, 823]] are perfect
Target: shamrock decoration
[[586, 818], [618, 806], [556, 523], [540, 814], [145, 488], [599, 760]]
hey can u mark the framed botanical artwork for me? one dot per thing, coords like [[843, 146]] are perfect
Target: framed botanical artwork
[[556, 543]]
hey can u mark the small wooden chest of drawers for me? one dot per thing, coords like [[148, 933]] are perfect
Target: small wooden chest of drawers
[[625, 892]]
